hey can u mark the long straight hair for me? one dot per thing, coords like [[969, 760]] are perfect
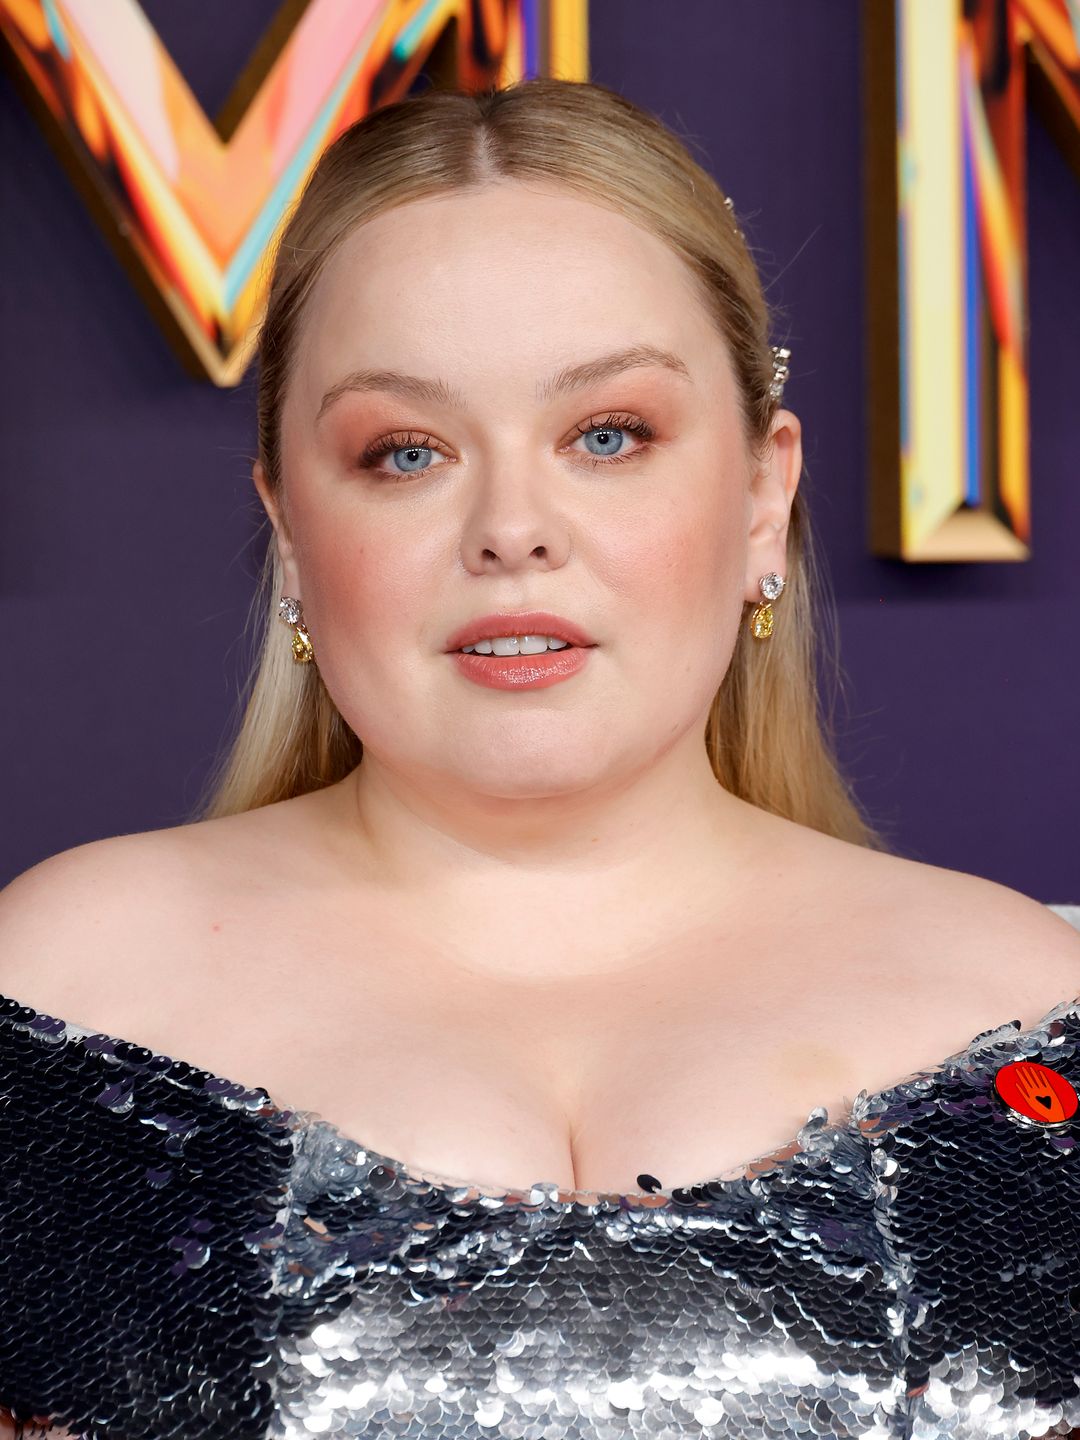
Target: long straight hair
[[768, 737]]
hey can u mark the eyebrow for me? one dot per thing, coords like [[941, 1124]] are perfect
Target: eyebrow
[[563, 382]]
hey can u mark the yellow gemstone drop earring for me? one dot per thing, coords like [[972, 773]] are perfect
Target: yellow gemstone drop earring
[[292, 612], [761, 621]]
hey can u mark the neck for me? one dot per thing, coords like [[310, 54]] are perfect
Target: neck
[[588, 865]]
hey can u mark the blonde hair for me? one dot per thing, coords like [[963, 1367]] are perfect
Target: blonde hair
[[766, 734]]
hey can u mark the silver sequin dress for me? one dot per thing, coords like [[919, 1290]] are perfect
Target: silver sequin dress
[[183, 1257]]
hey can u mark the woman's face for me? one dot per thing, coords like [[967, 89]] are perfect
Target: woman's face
[[499, 496]]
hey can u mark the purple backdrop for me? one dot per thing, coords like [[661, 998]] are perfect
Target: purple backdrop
[[131, 532]]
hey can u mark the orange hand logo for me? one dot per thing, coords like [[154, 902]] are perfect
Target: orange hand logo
[[1037, 1092]]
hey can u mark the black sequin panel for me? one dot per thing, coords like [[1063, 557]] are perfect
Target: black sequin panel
[[982, 1210], [141, 1201], [911, 1271]]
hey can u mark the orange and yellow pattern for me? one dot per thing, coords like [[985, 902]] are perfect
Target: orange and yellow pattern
[[964, 76], [195, 204]]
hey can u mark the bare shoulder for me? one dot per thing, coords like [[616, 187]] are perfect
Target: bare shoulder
[[964, 945], [78, 927], [61, 919], [1014, 946]]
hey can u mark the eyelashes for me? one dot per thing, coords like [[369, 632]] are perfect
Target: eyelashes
[[414, 440]]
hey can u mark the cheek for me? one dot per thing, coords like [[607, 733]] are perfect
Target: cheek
[[331, 564], [685, 565], [360, 585], [357, 589]]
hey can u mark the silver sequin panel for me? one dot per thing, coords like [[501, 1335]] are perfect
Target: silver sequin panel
[[911, 1271]]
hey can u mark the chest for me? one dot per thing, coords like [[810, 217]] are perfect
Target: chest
[[683, 1066]]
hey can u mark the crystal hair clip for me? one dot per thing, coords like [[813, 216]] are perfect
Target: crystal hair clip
[[781, 370]]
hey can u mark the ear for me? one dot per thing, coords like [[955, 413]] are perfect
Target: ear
[[291, 578], [772, 491]]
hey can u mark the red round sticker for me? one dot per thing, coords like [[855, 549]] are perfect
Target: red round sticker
[[1036, 1092]]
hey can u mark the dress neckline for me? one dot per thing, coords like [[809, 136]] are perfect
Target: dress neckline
[[259, 1099]]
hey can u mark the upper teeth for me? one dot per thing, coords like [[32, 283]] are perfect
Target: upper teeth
[[515, 645]]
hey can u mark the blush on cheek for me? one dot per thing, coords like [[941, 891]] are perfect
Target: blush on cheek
[[694, 577], [372, 592]]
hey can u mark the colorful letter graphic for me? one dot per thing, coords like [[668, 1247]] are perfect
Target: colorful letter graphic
[[192, 205], [945, 88]]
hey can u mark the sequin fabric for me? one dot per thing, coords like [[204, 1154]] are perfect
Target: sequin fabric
[[182, 1257]]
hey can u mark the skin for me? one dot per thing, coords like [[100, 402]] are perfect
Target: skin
[[598, 788]]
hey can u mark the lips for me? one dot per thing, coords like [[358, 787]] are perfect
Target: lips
[[524, 622]]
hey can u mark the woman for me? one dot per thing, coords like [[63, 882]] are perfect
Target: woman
[[497, 910]]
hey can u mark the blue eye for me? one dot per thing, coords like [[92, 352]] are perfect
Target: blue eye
[[607, 435], [610, 431], [414, 455], [416, 450]]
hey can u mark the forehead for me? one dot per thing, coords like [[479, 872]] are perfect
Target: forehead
[[500, 284]]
